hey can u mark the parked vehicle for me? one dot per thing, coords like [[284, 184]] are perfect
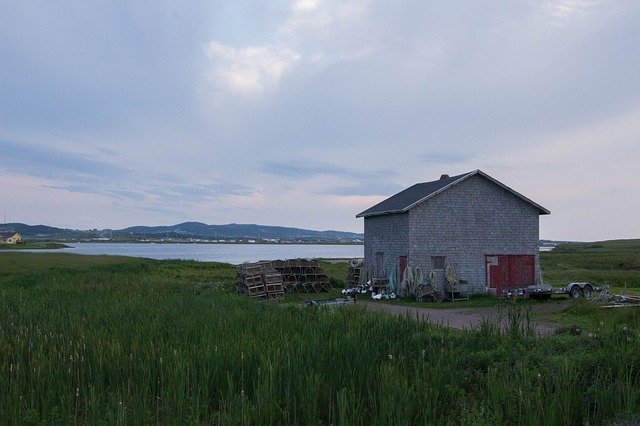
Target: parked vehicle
[[573, 290]]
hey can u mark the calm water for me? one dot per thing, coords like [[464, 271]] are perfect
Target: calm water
[[227, 253]]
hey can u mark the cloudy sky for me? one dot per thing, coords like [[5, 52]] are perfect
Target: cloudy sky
[[304, 113]]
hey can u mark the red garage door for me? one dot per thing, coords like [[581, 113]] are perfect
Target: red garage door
[[508, 272]]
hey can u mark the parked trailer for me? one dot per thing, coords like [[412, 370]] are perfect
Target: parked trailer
[[573, 290]]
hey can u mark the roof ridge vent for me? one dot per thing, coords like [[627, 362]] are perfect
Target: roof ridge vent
[[444, 176]]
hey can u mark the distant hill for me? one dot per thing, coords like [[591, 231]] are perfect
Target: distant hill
[[38, 231], [234, 230], [195, 230]]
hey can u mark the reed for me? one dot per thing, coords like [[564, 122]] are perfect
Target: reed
[[138, 341]]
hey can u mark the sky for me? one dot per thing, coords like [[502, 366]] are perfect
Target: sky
[[305, 113]]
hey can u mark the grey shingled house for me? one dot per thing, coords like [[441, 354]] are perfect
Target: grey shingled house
[[487, 232]]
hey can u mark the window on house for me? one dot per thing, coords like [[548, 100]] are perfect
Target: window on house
[[438, 262]]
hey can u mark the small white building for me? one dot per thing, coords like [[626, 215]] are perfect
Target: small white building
[[10, 238]]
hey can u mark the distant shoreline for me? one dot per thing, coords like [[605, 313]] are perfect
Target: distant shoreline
[[324, 243], [33, 246], [225, 253]]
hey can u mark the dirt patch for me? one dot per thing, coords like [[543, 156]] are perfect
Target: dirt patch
[[468, 318]]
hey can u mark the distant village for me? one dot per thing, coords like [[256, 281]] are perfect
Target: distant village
[[110, 236]]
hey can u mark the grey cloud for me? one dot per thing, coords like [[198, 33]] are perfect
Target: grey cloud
[[477, 77], [51, 163], [78, 188], [198, 192], [366, 189], [363, 182], [88, 175], [446, 158], [96, 66], [99, 189], [302, 168]]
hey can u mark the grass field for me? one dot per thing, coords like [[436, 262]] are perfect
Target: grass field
[[616, 263], [129, 341], [29, 245]]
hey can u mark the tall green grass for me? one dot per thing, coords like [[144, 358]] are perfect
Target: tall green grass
[[115, 340], [616, 263]]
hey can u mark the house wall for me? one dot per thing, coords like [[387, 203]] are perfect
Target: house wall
[[11, 238], [387, 234], [468, 221]]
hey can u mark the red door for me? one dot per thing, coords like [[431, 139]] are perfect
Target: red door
[[508, 272], [403, 266]]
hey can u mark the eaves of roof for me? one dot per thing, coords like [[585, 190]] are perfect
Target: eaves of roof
[[381, 210]]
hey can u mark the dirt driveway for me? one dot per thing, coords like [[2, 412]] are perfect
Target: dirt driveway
[[467, 318]]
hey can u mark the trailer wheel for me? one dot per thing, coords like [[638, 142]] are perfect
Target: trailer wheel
[[575, 292], [586, 291]]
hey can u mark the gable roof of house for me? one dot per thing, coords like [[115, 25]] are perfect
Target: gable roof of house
[[7, 234], [420, 192]]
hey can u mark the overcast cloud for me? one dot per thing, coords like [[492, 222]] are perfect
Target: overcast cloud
[[305, 113]]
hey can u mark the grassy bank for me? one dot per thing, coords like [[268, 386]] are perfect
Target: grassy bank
[[33, 246], [119, 340]]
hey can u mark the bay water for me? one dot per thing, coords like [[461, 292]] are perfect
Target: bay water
[[227, 253]]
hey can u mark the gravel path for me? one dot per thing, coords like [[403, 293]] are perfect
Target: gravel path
[[467, 318]]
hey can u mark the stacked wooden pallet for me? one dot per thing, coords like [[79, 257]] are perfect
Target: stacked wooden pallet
[[269, 280], [302, 276], [272, 280], [354, 272], [259, 280]]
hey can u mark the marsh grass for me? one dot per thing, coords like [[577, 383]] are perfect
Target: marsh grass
[[115, 340], [588, 317], [32, 245], [616, 263]]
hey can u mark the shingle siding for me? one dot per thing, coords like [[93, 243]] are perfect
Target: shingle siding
[[387, 234], [469, 220]]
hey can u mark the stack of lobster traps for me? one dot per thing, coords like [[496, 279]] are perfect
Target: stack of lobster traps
[[273, 284], [269, 280], [302, 276], [354, 273], [259, 280]]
